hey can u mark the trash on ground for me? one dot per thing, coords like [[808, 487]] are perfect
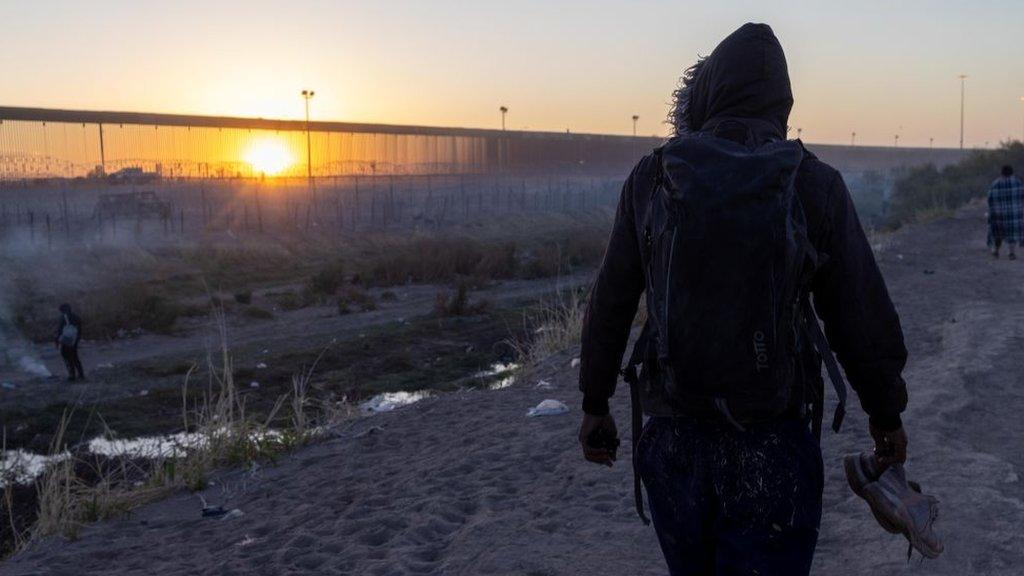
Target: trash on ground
[[105, 366], [548, 408], [235, 513], [544, 385], [214, 511], [254, 384], [575, 363], [144, 393], [261, 366]]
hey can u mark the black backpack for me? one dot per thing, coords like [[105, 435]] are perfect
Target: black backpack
[[728, 264]]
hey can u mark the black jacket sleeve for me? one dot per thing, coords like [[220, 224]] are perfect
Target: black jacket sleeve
[[613, 302], [860, 320]]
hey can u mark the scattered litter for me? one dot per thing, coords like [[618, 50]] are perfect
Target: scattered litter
[[214, 511], [8, 386], [369, 431], [265, 351], [247, 541], [235, 513], [261, 366], [144, 393], [575, 363], [548, 408], [899, 256], [254, 384], [544, 385]]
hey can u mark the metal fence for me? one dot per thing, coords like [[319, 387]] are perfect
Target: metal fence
[[42, 143]]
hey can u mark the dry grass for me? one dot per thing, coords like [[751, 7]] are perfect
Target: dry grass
[[219, 433], [557, 326]]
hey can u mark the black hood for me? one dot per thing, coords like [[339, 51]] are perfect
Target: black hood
[[744, 78]]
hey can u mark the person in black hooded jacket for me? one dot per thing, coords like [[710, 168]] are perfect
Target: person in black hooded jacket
[[726, 501]]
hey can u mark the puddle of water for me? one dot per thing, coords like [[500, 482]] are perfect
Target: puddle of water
[[146, 447], [389, 401], [22, 467], [503, 369]]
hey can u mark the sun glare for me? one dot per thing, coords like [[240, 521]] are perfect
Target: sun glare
[[268, 156]]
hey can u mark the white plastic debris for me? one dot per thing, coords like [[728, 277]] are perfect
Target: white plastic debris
[[544, 385], [548, 408], [575, 363], [234, 513], [261, 366], [144, 393], [254, 384]]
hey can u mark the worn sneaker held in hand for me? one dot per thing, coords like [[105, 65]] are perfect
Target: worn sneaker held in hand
[[897, 504]]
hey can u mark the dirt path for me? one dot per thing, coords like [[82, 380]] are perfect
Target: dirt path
[[465, 484]]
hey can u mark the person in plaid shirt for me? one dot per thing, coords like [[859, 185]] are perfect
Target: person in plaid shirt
[[1006, 212]]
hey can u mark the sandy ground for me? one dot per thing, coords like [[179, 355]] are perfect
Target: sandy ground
[[465, 484]]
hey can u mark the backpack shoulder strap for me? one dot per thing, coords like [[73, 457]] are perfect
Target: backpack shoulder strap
[[831, 366]]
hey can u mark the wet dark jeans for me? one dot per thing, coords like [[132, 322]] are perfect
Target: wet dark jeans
[[726, 502]]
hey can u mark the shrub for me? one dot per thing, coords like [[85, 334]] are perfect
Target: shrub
[[458, 304], [328, 280], [929, 190], [353, 296]]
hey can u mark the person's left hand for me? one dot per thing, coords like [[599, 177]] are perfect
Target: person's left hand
[[590, 425]]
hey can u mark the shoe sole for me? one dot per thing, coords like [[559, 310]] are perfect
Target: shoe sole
[[859, 480], [896, 515]]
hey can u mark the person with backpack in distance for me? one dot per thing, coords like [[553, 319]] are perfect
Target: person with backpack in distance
[[1006, 213], [69, 334], [729, 230]]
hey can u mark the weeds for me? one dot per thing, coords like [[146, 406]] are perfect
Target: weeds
[[557, 327], [458, 304]]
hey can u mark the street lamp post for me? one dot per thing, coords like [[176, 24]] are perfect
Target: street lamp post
[[637, 117], [853, 139], [799, 131], [307, 95], [931, 142], [896, 141], [963, 82], [504, 111]]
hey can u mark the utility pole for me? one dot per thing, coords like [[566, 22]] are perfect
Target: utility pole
[[504, 111], [636, 117], [307, 95], [931, 142], [963, 82], [1022, 123], [103, 154], [853, 139], [896, 141]]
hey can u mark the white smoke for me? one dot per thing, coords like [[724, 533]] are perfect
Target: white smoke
[[17, 352]]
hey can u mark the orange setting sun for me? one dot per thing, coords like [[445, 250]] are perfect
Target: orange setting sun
[[268, 156]]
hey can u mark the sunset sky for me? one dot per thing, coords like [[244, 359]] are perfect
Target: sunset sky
[[877, 68]]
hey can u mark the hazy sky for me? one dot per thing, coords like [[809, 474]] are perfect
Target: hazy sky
[[877, 68]]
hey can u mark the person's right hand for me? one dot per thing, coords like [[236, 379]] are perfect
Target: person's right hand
[[890, 447], [590, 424]]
